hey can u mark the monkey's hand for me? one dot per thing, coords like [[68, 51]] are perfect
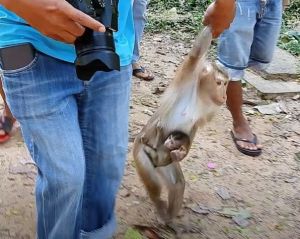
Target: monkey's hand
[[179, 154]]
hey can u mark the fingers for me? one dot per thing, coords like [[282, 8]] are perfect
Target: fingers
[[74, 28], [82, 18], [216, 33], [205, 20], [63, 37]]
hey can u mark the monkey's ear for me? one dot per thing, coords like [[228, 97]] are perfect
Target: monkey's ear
[[207, 68], [201, 44]]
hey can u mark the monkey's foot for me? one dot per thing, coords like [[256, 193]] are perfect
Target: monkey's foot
[[162, 211]]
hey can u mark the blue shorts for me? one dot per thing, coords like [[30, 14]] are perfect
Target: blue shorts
[[251, 39]]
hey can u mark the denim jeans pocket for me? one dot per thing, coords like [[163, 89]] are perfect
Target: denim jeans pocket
[[39, 89], [29, 66]]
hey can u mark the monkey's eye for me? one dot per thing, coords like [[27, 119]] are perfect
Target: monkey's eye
[[225, 83], [219, 82]]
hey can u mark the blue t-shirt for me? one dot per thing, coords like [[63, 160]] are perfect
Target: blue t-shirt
[[14, 30]]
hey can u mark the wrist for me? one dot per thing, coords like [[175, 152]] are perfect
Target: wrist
[[226, 2]]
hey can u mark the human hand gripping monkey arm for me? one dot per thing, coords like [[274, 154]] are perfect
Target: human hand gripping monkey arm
[[219, 15], [54, 18]]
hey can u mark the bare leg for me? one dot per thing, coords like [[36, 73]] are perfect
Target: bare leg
[[241, 128], [6, 108]]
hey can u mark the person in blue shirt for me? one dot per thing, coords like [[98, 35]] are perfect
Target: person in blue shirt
[[76, 132]]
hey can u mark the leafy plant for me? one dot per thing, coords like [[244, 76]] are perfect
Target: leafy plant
[[176, 15], [185, 16], [289, 39]]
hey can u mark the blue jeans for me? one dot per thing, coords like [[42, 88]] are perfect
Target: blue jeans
[[139, 16], [251, 39], [77, 133]]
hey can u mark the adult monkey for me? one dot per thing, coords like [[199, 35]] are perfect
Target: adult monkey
[[80, 154], [198, 90]]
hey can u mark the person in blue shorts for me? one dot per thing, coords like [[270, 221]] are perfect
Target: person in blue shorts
[[76, 131], [249, 42], [139, 15]]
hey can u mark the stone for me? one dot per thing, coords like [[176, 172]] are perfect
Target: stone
[[284, 66], [270, 89], [272, 109], [241, 221], [223, 193]]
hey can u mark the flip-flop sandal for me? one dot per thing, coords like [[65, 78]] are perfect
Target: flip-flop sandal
[[6, 124], [249, 152], [135, 72]]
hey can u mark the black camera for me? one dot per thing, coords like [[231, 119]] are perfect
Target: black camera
[[96, 50]]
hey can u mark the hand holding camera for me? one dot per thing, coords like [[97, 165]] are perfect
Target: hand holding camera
[[87, 23], [54, 18]]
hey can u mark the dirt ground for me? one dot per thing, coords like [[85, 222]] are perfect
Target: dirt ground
[[261, 195]]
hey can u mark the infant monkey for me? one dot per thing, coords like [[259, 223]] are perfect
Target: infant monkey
[[172, 149], [192, 98]]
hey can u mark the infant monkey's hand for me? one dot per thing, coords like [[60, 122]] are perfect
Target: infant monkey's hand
[[178, 143]]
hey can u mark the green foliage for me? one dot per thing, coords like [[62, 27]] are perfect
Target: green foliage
[[176, 15], [185, 16], [132, 234], [289, 39]]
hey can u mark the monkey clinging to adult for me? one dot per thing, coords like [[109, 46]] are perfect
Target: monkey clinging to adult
[[192, 98]]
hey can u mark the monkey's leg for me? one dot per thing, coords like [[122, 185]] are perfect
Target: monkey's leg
[[152, 182], [151, 153], [158, 137], [174, 178]]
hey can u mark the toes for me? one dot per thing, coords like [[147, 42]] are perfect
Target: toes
[[249, 146]]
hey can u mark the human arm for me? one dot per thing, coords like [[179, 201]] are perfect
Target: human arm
[[54, 18], [219, 15]]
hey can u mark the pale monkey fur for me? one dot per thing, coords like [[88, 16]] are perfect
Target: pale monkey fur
[[192, 98]]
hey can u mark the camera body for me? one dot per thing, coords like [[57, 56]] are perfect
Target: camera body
[[96, 50]]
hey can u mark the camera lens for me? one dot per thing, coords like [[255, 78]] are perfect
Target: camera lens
[[95, 52]]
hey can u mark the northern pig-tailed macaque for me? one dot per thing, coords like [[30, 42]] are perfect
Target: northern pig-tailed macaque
[[198, 90]]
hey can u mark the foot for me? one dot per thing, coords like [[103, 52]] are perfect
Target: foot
[[245, 140], [6, 125], [141, 73]]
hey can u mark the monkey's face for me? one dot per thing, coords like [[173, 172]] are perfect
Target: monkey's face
[[214, 84]]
